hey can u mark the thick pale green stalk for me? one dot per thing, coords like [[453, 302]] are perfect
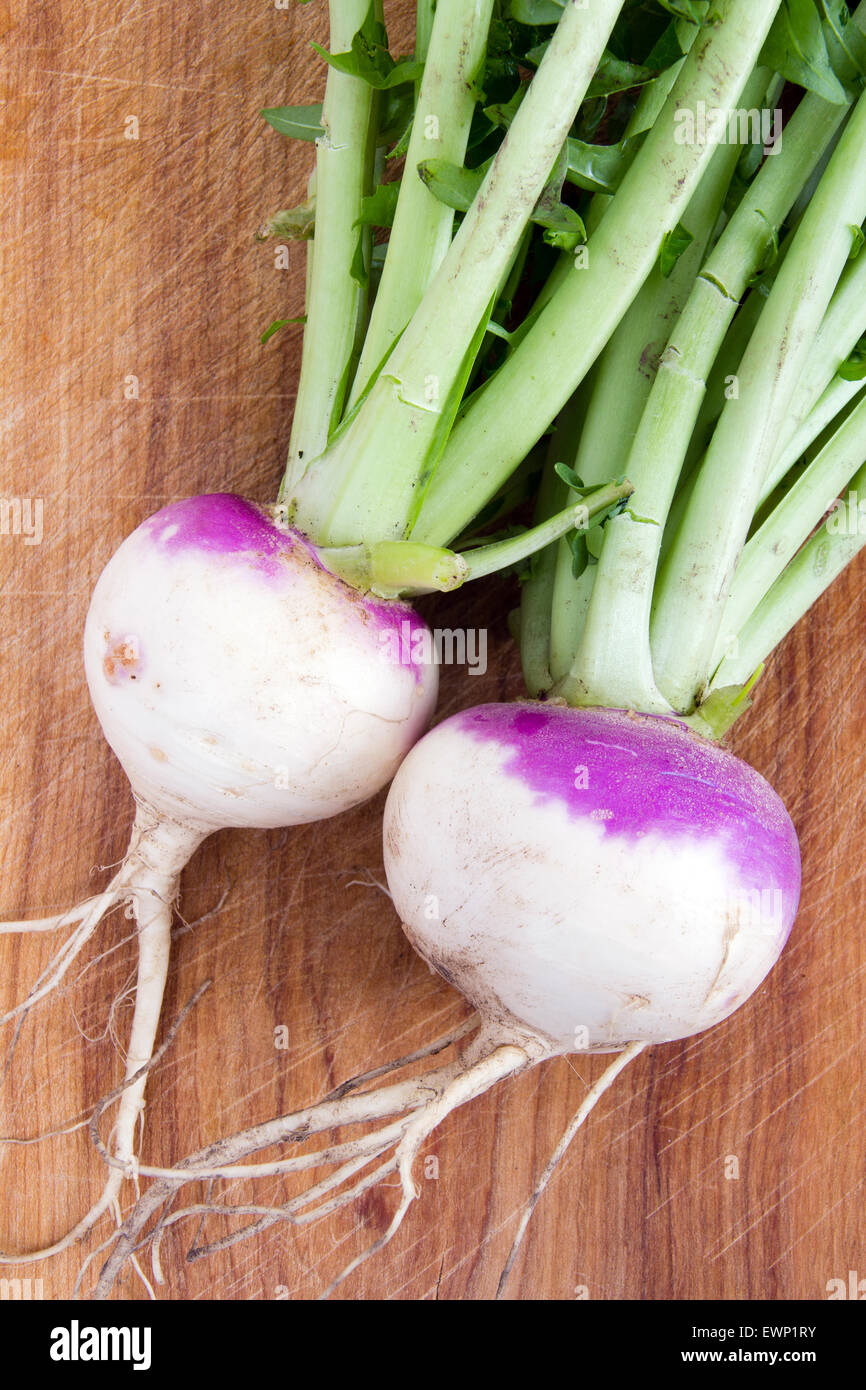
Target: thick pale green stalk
[[696, 577], [368, 483], [721, 376], [790, 523], [843, 326], [536, 597], [812, 570], [335, 302], [514, 409], [650, 102], [567, 597], [625, 374], [613, 664], [423, 225], [425, 13], [838, 395]]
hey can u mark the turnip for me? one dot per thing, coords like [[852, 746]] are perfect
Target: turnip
[[615, 878], [240, 683]]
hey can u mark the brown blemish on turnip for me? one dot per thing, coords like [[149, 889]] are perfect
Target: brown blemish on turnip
[[122, 660]]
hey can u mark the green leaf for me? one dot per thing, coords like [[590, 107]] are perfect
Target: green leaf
[[551, 193], [401, 148], [667, 49], [854, 366], [562, 227], [565, 240], [281, 323], [296, 122], [570, 478], [594, 542], [846, 43], [396, 108], [615, 75], [378, 209], [694, 11], [600, 168], [358, 269], [674, 243], [579, 553], [536, 11], [795, 47], [451, 183], [856, 242], [535, 55], [503, 113], [369, 58], [457, 187]]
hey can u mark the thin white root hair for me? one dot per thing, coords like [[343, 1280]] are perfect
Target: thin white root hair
[[149, 878], [332, 1111], [89, 915], [341, 1107], [60, 919], [26, 1139], [588, 1104], [291, 1211], [368, 1145], [504, 1061]]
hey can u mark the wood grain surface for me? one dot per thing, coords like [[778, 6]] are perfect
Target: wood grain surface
[[135, 258]]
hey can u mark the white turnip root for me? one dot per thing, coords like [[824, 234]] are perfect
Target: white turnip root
[[613, 880], [613, 877], [240, 684]]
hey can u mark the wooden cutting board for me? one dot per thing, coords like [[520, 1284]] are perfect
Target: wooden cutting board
[[135, 171]]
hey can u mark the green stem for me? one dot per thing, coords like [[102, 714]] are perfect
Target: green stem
[[335, 302], [695, 580], [592, 509], [423, 225], [394, 569], [391, 569], [790, 523], [624, 380], [536, 596], [503, 421], [425, 11], [614, 664], [838, 395], [369, 482], [844, 324], [812, 570], [722, 375]]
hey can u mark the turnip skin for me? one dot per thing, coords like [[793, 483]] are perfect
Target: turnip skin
[[612, 878], [237, 680]]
